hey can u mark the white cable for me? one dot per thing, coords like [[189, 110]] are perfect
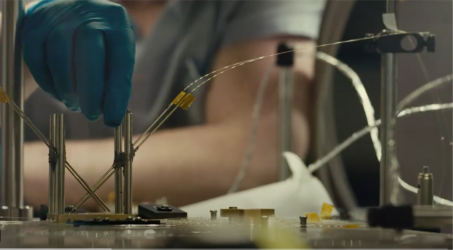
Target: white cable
[[357, 135], [369, 110], [361, 91], [420, 91], [338, 149]]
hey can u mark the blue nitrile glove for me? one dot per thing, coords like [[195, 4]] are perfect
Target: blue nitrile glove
[[83, 54]]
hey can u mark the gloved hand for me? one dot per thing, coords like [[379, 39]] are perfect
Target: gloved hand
[[83, 54]]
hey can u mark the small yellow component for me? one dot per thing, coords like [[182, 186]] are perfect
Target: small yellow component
[[312, 217], [351, 226], [326, 211], [187, 101], [178, 98], [4, 98]]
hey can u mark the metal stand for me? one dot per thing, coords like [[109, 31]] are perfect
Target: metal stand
[[285, 90], [12, 134], [57, 164], [388, 116], [119, 171], [128, 167], [389, 43]]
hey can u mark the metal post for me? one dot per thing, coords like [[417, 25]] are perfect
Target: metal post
[[118, 171], [60, 169], [12, 126], [425, 194], [52, 176], [128, 167], [285, 119], [285, 61], [388, 117]]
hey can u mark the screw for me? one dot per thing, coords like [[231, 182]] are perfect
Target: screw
[[213, 214], [129, 218], [97, 219], [138, 219], [303, 221], [106, 219]]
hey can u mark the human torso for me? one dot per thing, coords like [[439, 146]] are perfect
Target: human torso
[[184, 38], [174, 53]]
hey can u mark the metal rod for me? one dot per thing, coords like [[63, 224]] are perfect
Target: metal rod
[[19, 134], [12, 132], [86, 187], [60, 169], [285, 119], [52, 177], [391, 6], [95, 187], [388, 117], [128, 168], [118, 171]]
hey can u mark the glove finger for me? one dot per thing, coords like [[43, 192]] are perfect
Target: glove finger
[[34, 57], [59, 58], [120, 48], [89, 64]]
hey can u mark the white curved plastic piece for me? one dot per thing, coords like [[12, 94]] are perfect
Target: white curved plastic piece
[[300, 193]]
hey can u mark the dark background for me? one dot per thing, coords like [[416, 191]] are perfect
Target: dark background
[[359, 159]]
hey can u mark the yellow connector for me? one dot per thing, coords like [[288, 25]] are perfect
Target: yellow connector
[[187, 101], [178, 98], [183, 100]]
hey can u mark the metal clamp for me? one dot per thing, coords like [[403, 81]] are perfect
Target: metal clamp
[[392, 42]]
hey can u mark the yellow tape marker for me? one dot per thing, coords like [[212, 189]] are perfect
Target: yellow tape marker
[[312, 217], [178, 98], [4, 98], [187, 101], [326, 211], [351, 226]]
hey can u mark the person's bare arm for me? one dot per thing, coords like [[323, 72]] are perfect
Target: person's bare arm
[[191, 164]]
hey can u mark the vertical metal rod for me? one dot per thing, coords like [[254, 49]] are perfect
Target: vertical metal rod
[[60, 169], [391, 6], [52, 176], [128, 167], [285, 119], [12, 83], [388, 117], [119, 171]]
